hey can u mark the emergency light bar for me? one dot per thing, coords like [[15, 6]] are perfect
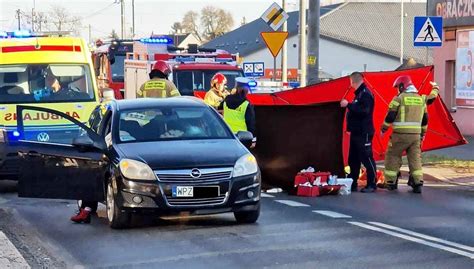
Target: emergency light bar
[[159, 40], [16, 34], [28, 33]]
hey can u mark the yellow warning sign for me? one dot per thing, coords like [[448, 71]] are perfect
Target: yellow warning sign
[[274, 41]]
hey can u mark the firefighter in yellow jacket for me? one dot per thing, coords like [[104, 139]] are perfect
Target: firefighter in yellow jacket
[[158, 86], [215, 96], [408, 116]]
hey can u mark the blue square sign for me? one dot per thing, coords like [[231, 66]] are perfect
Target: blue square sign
[[428, 32], [254, 69]]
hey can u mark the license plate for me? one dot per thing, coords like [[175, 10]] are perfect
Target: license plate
[[183, 191]]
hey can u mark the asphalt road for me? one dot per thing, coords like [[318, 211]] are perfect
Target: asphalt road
[[383, 230]]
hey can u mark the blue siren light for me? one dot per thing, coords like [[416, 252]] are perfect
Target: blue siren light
[[160, 40], [21, 33]]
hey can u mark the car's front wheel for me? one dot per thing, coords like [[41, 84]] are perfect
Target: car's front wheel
[[247, 216], [117, 219]]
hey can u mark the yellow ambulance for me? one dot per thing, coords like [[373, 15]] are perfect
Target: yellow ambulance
[[45, 71]]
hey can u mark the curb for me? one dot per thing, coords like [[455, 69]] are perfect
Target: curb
[[10, 257]]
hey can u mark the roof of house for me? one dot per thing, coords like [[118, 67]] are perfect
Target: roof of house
[[246, 39], [373, 26]]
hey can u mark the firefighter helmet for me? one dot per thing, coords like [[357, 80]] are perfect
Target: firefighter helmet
[[402, 80], [219, 79], [162, 67]]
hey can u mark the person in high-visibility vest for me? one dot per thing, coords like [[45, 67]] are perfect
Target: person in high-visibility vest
[[239, 114], [159, 86], [409, 119], [215, 96]]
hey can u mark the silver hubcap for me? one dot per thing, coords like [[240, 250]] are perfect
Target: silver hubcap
[[110, 202]]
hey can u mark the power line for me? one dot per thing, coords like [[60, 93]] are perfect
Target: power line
[[99, 11]]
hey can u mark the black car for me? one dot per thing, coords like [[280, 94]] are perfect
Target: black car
[[162, 156]]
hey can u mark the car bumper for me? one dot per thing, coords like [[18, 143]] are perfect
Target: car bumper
[[237, 194]]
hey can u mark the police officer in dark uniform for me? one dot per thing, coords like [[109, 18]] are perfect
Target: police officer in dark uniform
[[360, 124]]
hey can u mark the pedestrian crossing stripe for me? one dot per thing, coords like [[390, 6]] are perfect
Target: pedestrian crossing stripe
[[428, 31]]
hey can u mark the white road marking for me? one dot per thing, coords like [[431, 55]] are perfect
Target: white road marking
[[332, 214], [291, 203], [414, 239], [267, 195], [10, 257], [427, 237]]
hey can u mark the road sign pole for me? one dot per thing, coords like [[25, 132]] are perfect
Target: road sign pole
[[284, 52], [402, 16], [274, 68]]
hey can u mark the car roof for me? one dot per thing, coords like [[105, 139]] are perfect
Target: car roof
[[183, 101]]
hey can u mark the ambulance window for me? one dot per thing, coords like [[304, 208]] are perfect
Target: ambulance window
[[45, 83]]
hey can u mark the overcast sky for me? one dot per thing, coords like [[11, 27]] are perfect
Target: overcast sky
[[150, 15]]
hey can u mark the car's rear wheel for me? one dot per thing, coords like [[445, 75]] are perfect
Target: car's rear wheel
[[247, 216], [117, 219]]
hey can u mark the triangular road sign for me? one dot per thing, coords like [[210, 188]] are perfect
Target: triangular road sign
[[274, 41]]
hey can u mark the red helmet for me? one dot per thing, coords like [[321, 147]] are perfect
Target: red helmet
[[218, 78], [163, 67], [405, 80]]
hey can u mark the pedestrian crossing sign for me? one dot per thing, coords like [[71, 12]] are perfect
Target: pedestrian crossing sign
[[428, 32]]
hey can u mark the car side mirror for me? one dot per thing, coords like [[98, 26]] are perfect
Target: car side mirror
[[85, 143], [246, 138]]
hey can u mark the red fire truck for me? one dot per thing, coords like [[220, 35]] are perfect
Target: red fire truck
[[192, 68], [109, 64]]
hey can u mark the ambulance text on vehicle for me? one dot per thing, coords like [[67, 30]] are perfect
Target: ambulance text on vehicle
[[192, 68], [46, 71]]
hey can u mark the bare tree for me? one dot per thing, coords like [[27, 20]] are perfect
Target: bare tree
[[215, 22], [190, 24], [61, 20], [177, 28], [113, 34]]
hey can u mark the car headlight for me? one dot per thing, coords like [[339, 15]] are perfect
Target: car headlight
[[246, 165], [132, 169]]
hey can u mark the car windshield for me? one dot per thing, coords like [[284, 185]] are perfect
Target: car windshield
[[177, 123], [45, 83], [189, 80], [117, 68]]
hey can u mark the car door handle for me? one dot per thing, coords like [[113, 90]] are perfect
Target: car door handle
[[33, 154]]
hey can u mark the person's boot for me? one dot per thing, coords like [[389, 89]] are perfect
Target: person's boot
[[368, 189], [83, 216], [391, 187], [417, 188], [411, 181]]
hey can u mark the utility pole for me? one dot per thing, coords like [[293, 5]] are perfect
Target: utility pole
[[33, 20], [122, 9], [402, 17], [284, 51], [302, 42], [133, 18], [18, 16], [90, 34], [313, 41]]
